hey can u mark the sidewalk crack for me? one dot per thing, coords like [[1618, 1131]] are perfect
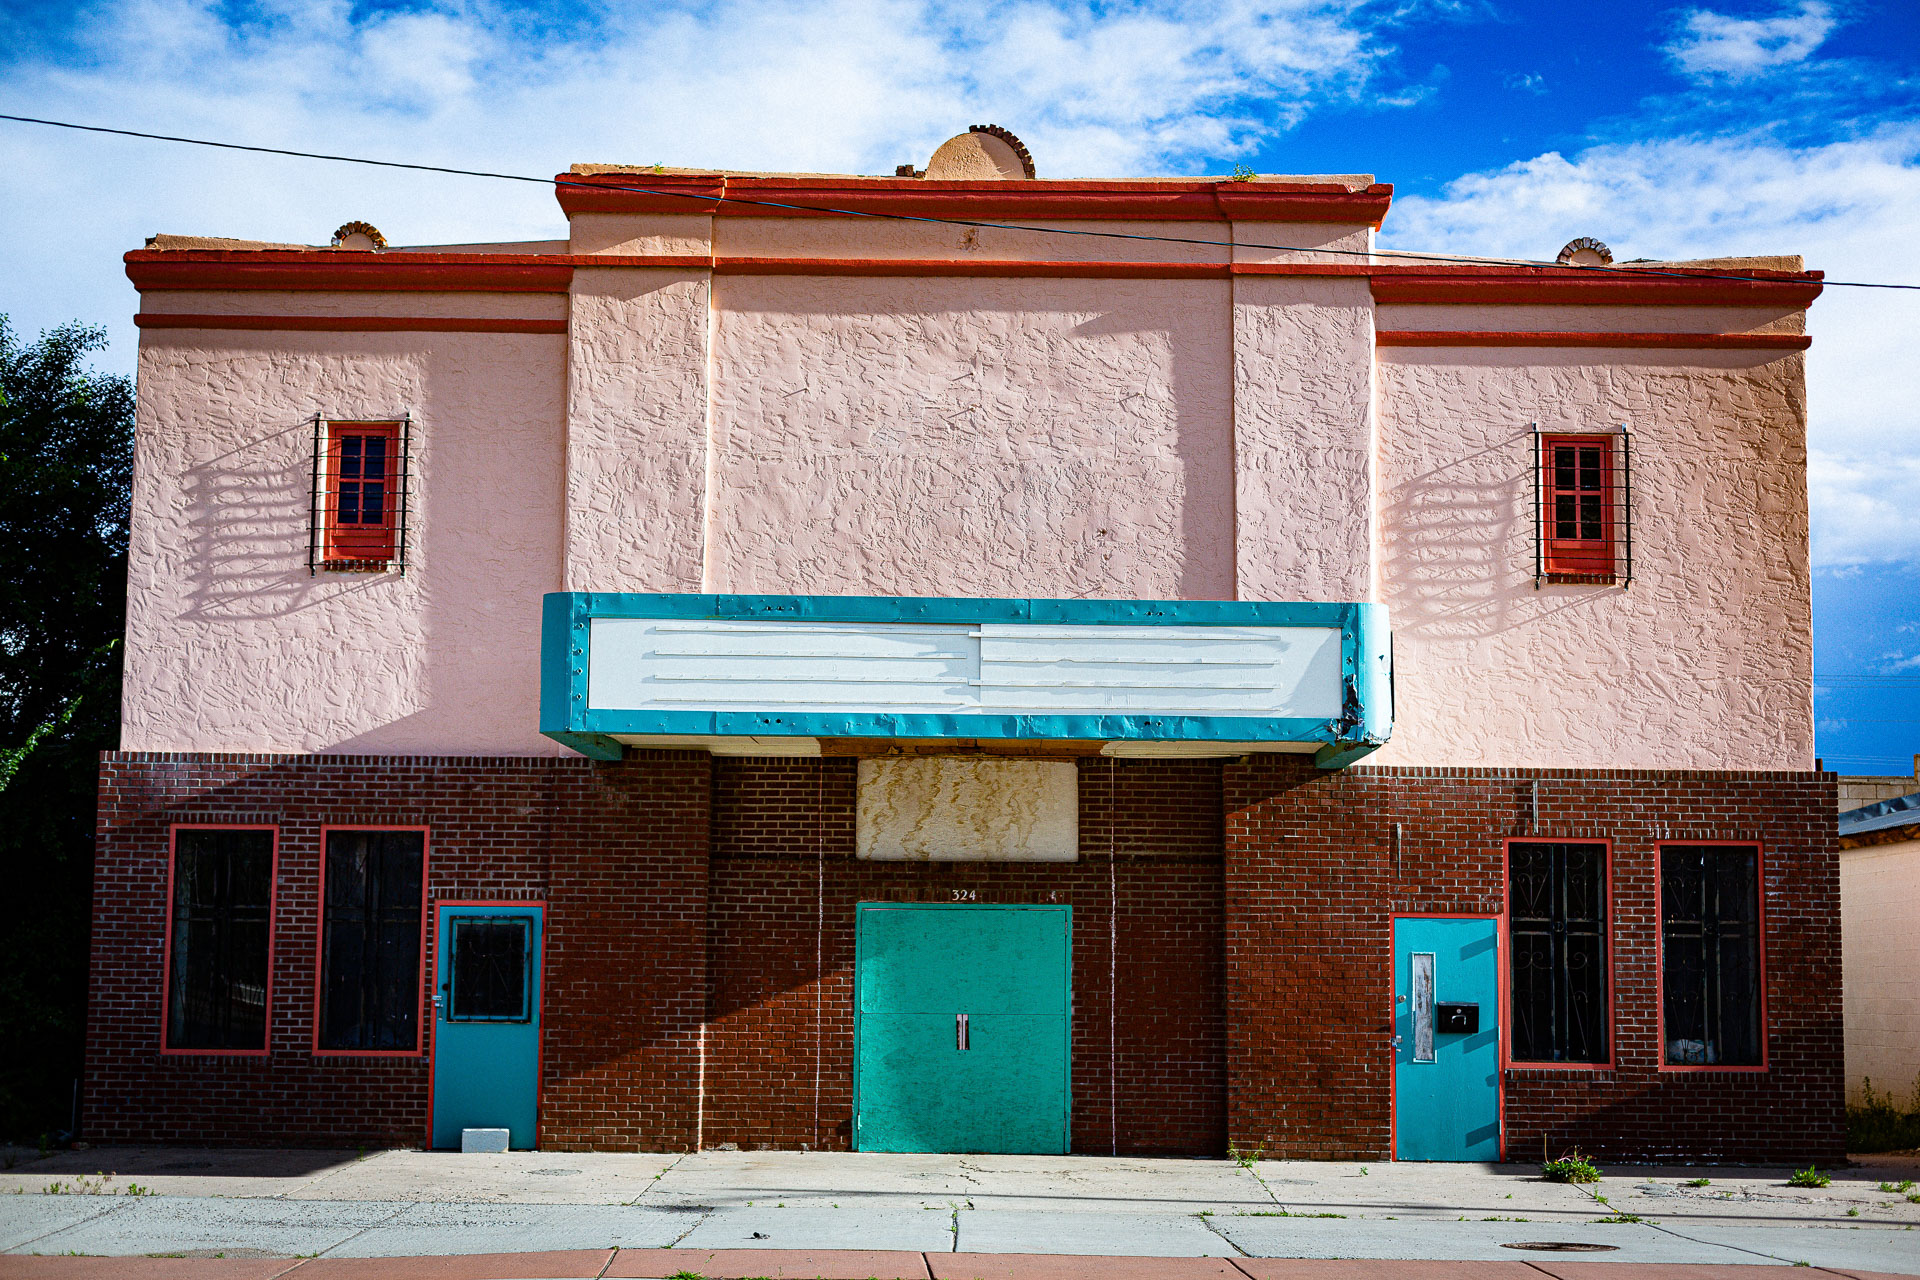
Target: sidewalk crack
[[112, 1208], [1659, 1226], [411, 1204], [659, 1177], [704, 1215], [1206, 1220]]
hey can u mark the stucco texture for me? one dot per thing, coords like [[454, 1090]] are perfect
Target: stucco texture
[[636, 452], [972, 437], [1303, 438], [232, 645], [1880, 954], [1705, 661]]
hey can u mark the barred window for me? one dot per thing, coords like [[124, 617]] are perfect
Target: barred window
[[370, 979], [219, 924], [1710, 955], [492, 963], [359, 496], [1557, 938], [1583, 519]]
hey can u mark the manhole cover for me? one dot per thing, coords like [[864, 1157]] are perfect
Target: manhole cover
[[554, 1173], [1562, 1246]]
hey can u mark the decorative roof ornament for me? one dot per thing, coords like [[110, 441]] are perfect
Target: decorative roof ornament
[[1585, 252], [1006, 136], [984, 153], [358, 235]]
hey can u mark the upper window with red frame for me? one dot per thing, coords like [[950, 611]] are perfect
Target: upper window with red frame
[[1577, 520], [364, 479]]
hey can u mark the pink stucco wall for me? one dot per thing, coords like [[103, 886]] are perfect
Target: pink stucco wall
[[1705, 662], [968, 435], [233, 646], [972, 437]]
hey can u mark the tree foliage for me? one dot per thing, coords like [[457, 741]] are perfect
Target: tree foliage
[[66, 467]]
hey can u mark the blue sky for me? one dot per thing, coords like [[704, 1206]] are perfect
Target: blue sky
[[1507, 128]]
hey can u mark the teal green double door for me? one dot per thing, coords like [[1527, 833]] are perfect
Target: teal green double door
[[962, 1028]]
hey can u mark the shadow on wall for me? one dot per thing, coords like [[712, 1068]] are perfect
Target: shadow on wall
[[1461, 538], [249, 515]]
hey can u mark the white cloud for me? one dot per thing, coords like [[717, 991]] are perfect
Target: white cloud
[[836, 85], [1849, 207], [1714, 45]]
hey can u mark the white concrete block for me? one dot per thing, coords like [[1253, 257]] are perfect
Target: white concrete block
[[483, 1140]]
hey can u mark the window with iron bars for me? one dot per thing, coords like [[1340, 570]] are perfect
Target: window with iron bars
[[1583, 508], [1710, 956], [1557, 941], [360, 495]]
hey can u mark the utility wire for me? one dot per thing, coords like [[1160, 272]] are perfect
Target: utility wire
[[1369, 254]]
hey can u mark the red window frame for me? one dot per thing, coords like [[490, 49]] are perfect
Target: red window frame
[[1760, 962], [1507, 1059], [320, 943], [166, 946], [350, 490], [1576, 506]]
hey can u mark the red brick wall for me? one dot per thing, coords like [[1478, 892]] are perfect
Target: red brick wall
[[1312, 885], [784, 886], [492, 822], [701, 921]]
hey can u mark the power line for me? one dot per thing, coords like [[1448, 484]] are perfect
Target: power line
[[1369, 254]]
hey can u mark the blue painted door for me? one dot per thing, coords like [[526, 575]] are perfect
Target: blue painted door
[[961, 1026], [1446, 1077], [486, 1021]]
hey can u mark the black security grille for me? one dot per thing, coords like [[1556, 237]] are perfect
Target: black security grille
[[491, 959], [1572, 502], [346, 509], [222, 906], [370, 941], [1557, 923], [1710, 954]]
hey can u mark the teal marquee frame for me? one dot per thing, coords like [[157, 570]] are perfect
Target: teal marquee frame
[[1366, 671]]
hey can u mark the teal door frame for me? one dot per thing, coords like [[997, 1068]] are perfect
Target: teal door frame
[[523, 1122], [1451, 977], [962, 1030]]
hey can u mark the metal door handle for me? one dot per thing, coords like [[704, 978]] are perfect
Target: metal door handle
[[960, 1032]]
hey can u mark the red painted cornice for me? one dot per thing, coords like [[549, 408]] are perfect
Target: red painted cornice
[[1618, 287], [1564, 338], [1186, 201], [351, 324], [398, 272]]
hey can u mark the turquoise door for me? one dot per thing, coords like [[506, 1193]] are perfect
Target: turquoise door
[[961, 1023], [486, 1021], [1446, 1023]]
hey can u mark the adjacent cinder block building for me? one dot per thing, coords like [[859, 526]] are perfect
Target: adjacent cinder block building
[[965, 662]]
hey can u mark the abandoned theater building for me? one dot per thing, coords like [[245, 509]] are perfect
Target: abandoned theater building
[[963, 662]]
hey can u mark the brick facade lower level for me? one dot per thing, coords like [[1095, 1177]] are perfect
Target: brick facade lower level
[[1231, 980]]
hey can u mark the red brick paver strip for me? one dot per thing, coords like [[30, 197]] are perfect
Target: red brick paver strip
[[1383, 1269], [567, 1264], [1068, 1266], [775, 1264], [28, 1267]]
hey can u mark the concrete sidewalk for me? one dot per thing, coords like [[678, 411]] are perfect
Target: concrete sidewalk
[[281, 1205]]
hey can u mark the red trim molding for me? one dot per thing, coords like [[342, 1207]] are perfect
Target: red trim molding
[[1433, 283], [1555, 338], [359, 324], [725, 196], [346, 270]]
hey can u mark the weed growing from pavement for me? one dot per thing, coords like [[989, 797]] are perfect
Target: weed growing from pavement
[[1572, 1167], [1617, 1216], [1853, 1213], [686, 1275], [1246, 1159], [1809, 1177], [1899, 1188], [1699, 1182]]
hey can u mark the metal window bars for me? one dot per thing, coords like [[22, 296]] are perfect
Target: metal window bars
[[1621, 490], [318, 560]]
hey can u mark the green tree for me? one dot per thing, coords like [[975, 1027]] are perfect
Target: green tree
[[66, 467]]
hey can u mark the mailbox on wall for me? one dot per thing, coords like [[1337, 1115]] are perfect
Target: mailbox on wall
[[1456, 1019]]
